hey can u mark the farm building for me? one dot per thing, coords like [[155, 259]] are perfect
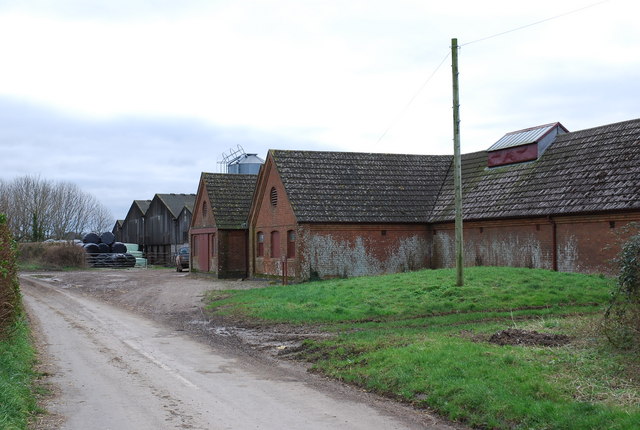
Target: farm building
[[331, 214], [133, 224], [541, 197], [117, 229], [563, 210], [219, 230], [166, 226]]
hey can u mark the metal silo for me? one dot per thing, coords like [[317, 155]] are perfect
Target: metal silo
[[239, 162], [248, 164]]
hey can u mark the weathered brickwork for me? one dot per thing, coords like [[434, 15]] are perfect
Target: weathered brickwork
[[273, 220], [507, 243], [585, 244], [354, 214], [219, 230], [356, 250]]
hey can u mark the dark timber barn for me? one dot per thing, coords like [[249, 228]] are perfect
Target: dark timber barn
[[167, 223]]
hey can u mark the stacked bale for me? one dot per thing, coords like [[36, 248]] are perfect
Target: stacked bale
[[103, 251], [133, 249]]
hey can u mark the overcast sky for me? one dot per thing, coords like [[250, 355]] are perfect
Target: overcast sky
[[129, 98]]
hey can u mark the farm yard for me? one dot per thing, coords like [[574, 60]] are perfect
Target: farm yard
[[513, 348]]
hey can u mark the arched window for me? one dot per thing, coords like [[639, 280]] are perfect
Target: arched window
[[260, 244], [291, 244], [275, 244]]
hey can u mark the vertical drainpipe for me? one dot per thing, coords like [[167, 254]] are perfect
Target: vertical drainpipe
[[554, 244]]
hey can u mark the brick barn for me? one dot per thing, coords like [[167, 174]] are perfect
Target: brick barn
[[336, 214], [219, 229], [541, 197], [563, 207]]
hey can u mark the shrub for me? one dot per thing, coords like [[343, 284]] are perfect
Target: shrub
[[51, 255], [622, 317], [9, 287]]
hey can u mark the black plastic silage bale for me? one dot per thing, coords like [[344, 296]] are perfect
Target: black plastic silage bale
[[91, 238], [108, 238], [104, 248], [92, 248], [119, 248]]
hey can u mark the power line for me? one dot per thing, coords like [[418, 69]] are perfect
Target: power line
[[481, 40], [535, 23], [414, 97]]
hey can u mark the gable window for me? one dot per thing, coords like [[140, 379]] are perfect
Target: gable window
[[274, 197], [260, 242], [275, 244], [204, 210], [291, 244]]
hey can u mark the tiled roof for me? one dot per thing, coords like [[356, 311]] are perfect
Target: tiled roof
[[230, 196], [361, 187], [592, 170], [176, 202]]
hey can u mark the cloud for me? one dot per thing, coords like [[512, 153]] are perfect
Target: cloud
[[120, 160], [148, 94]]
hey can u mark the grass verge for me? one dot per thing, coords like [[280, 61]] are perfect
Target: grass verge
[[17, 357], [419, 338]]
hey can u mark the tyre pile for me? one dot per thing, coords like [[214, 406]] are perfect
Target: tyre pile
[[103, 251]]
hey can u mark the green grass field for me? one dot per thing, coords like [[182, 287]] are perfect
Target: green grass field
[[419, 338], [17, 400]]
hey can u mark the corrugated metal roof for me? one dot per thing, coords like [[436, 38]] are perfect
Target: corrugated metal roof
[[523, 137]]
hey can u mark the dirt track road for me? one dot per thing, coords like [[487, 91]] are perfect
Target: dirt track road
[[116, 369]]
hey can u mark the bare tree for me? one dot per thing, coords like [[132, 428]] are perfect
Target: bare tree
[[100, 219], [39, 209]]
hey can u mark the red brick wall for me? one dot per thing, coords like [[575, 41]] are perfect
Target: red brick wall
[[270, 218], [355, 249], [328, 250], [583, 243], [200, 219]]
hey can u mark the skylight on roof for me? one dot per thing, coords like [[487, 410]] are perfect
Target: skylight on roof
[[524, 137]]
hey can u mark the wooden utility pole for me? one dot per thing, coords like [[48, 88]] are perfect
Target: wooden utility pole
[[457, 165]]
